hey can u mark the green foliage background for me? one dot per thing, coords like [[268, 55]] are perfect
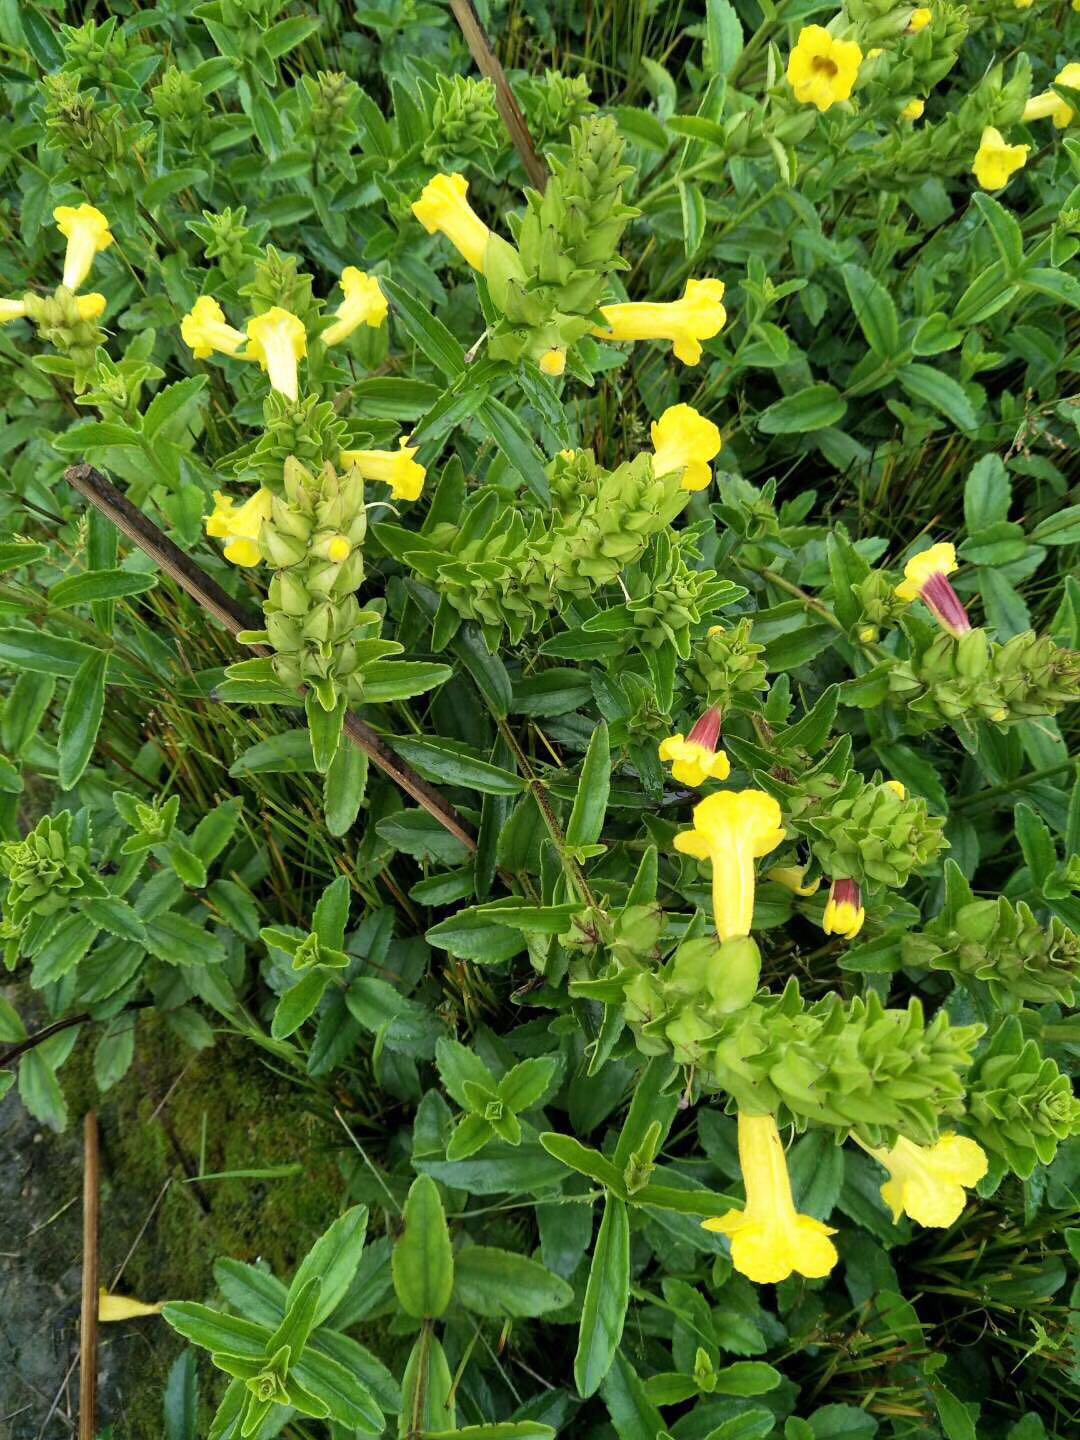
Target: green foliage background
[[898, 364]]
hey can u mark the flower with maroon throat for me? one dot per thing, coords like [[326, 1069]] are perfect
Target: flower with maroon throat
[[926, 579], [844, 913], [697, 757]]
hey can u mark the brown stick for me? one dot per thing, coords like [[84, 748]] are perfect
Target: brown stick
[[89, 1325], [485, 57], [8, 1057], [129, 519]]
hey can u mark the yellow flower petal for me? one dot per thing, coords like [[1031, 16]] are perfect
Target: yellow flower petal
[[919, 20], [995, 161], [395, 468], [940, 559], [277, 340], [822, 70], [692, 763], [731, 829], [698, 316], [87, 232], [240, 525], [770, 1239], [684, 440], [443, 208], [363, 304], [927, 1182], [120, 1307], [205, 330], [11, 310]]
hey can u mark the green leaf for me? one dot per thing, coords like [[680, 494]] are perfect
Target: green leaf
[[454, 763], [1005, 228], [80, 719], [333, 1259], [607, 1296], [590, 804], [324, 727], [586, 1161], [286, 754], [44, 654], [935, 388], [633, 1414], [423, 1260], [1036, 843], [40, 1091], [176, 405], [842, 1422], [181, 1400], [401, 679], [348, 1399], [875, 312], [987, 492], [514, 440], [344, 789], [287, 34], [298, 1004], [500, 1430], [501, 1284], [430, 334], [525, 1085], [214, 1330], [1061, 528], [723, 37], [815, 408], [748, 1377], [99, 585]]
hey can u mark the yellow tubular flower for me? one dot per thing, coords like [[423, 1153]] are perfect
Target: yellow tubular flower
[[770, 1239], [822, 70], [919, 20], [793, 878], [913, 110], [364, 304], [697, 757], [1051, 105], [896, 787], [995, 161], [698, 316], [443, 208], [204, 329], [395, 468], [86, 231], [278, 341], [11, 310], [553, 361], [927, 1182], [684, 440], [120, 1307], [926, 579], [731, 830], [844, 913], [239, 525]]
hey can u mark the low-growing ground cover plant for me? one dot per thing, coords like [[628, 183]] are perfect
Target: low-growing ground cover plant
[[557, 628]]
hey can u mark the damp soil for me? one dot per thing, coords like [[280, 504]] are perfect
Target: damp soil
[[175, 1118]]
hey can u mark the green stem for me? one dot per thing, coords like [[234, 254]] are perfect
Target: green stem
[[571, 868]]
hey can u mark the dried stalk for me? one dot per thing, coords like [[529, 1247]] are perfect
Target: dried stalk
[[88, 1328], [488, 62]]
